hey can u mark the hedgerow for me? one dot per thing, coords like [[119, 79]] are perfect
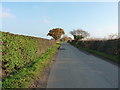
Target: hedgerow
[[106, 48], [26, 76], [19, 51]]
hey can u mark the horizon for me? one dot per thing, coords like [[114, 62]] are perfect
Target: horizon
[[36, 19]]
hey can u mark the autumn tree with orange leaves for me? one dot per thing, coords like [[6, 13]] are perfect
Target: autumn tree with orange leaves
[[56, 33]]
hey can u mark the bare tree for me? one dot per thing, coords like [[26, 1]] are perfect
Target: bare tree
[[79, 34], [113, 36]]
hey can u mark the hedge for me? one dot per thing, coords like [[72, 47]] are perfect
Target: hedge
[[109, 47], [19, 51], [25, 77]]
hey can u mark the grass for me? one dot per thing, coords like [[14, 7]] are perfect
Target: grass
[[19, 51], [26, 76], [111, 57]]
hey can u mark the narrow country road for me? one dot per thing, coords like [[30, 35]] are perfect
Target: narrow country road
[[75, 69]]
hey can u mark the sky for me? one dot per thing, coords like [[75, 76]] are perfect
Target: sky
[[100, 19]]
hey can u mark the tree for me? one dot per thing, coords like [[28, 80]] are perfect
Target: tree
[[65, 38], [113, 36], [56, 33], [79, 34]]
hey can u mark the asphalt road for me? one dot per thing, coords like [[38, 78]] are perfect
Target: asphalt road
[[75, 69]]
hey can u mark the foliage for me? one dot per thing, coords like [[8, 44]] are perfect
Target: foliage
[[78, 37], [106, 48], [65, 38], [19, 51], [56, 33], [108, 56], [26, 76], [79, 34]]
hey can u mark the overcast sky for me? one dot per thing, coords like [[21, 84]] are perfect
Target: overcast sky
[[37, 18]]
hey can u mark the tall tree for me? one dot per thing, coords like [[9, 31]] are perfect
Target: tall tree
[[79, 34], [56, 33]]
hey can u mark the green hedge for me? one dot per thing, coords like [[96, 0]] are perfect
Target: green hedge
[[26, 76], [19, 51], [107, 47]]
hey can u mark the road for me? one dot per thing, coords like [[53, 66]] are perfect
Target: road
[[76, 69]]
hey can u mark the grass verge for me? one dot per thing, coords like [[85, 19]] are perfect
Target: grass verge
[[25, 77], [107, 56], [101, 54]]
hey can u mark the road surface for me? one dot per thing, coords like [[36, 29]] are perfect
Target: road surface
[[75, 69]]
